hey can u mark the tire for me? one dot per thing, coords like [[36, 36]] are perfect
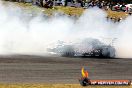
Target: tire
[[85, 82]]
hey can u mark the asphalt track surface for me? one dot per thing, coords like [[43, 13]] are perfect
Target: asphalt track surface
[[37, 69]]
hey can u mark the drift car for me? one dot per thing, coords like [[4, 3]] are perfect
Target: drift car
[[93, 48]]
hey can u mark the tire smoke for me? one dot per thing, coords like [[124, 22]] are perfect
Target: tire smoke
[[20, 33]]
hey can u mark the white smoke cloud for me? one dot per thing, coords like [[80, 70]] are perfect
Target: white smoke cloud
[[124, 42], [22, 34]]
